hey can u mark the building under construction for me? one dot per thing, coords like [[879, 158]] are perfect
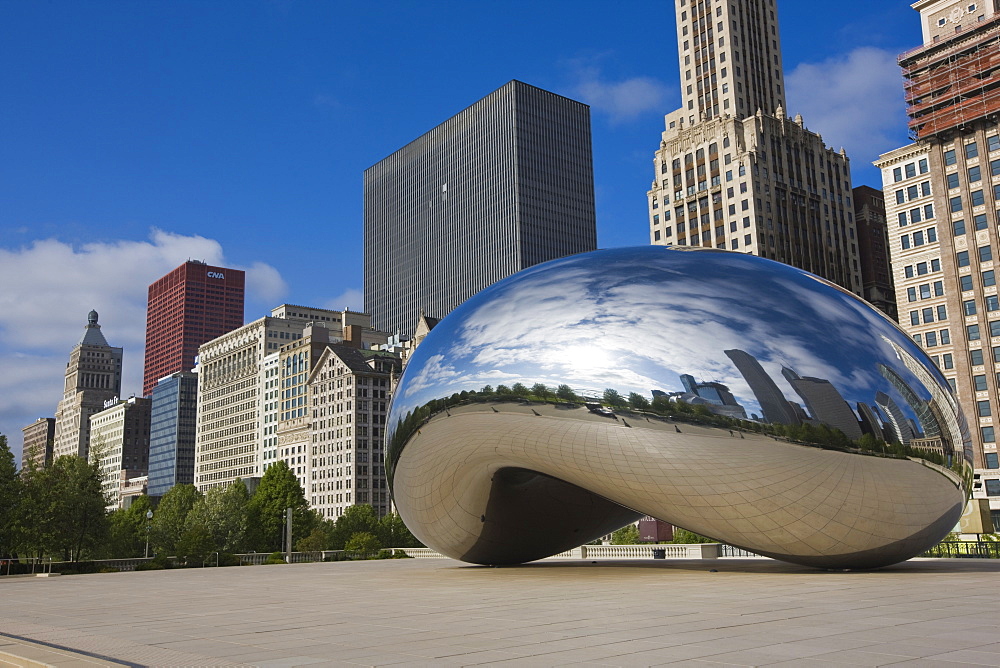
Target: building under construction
[[942, 207], [954, 80]]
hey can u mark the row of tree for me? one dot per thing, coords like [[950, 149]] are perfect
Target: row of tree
[[59, 511]]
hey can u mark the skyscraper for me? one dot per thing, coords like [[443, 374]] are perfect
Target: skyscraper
[[873, 248], [192, 304], [942, 200], [772, 401], [93, 376], [171, 432], [502, 185], [732, 171], [825, 403]]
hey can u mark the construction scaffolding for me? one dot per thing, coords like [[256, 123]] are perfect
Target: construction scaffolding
[[955, 82]]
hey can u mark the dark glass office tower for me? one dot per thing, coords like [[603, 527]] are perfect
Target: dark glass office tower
[[503, 185], [171, 432]]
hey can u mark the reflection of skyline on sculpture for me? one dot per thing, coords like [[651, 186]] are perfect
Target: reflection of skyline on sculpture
[[760, 362]]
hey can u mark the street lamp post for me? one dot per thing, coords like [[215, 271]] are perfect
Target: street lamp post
[[149, 517]]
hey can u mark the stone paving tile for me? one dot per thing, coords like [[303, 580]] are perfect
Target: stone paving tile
[[427, 611], [859, 657], [971, 656]]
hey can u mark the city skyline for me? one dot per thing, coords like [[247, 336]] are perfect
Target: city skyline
[[134, 186]]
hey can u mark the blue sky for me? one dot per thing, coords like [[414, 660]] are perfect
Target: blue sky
[[135, 135]]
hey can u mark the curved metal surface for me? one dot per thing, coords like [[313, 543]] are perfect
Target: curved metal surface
[[736, 397]]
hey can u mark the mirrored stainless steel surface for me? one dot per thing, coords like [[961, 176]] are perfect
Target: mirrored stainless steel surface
[[736, 397]]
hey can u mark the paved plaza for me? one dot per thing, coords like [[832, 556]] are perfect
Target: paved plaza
[[438, 612]]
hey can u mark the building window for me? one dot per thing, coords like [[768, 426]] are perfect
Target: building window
[[910, 169], [965, 283], [914, 317], [989, 438], [962, 258], [925, 291], [974, 174], [995, 328], [983, 407], [995, 168], [897, 174], [901, 217], [908, 271], [949, 157], [992, 460], [928, 211], [918, 238], [945, 337], [904, 241], [947, 361], [956, 203], [952, 180], [972, 332], [992, 485], [976, 359], [971, 150], [980, 221], [931, 338], [985, 253], [992, 303], [989, 278], [969, 307], [927, 314], [931, 235], [936, 264], [977, 198], [900, 197], [942, 312], [922, 165]]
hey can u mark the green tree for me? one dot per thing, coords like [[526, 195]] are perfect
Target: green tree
[[127, 530], [320, 539], [195, 544], [279, 489], [392, 532], [519, 390], [33, 526], [224, 512], [10, 498], [627, 535], [360, 518], [661, 404], [75, 502], [613, 398], [638, 402], [541, 391], [685, 537], [503, 389], [487, 389], [170, 518], [363, 543], [566, 393]]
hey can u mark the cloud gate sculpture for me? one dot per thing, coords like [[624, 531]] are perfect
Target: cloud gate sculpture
[[736, 397]]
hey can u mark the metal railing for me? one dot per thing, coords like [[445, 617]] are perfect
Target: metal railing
[[966, 549]]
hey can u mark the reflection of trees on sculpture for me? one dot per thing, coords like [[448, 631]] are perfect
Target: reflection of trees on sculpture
[[675, 409]]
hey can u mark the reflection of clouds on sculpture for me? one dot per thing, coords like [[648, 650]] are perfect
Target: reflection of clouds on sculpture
[[636, 320]]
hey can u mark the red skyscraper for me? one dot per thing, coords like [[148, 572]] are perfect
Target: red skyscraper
[[192, 304]]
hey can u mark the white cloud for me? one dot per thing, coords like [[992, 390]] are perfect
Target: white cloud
[[265, 283], [49, 287], [351, 298], [622, 100], [854, 100]]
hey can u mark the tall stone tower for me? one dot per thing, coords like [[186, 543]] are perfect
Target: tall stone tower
[[732, 171], [93, 377]]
